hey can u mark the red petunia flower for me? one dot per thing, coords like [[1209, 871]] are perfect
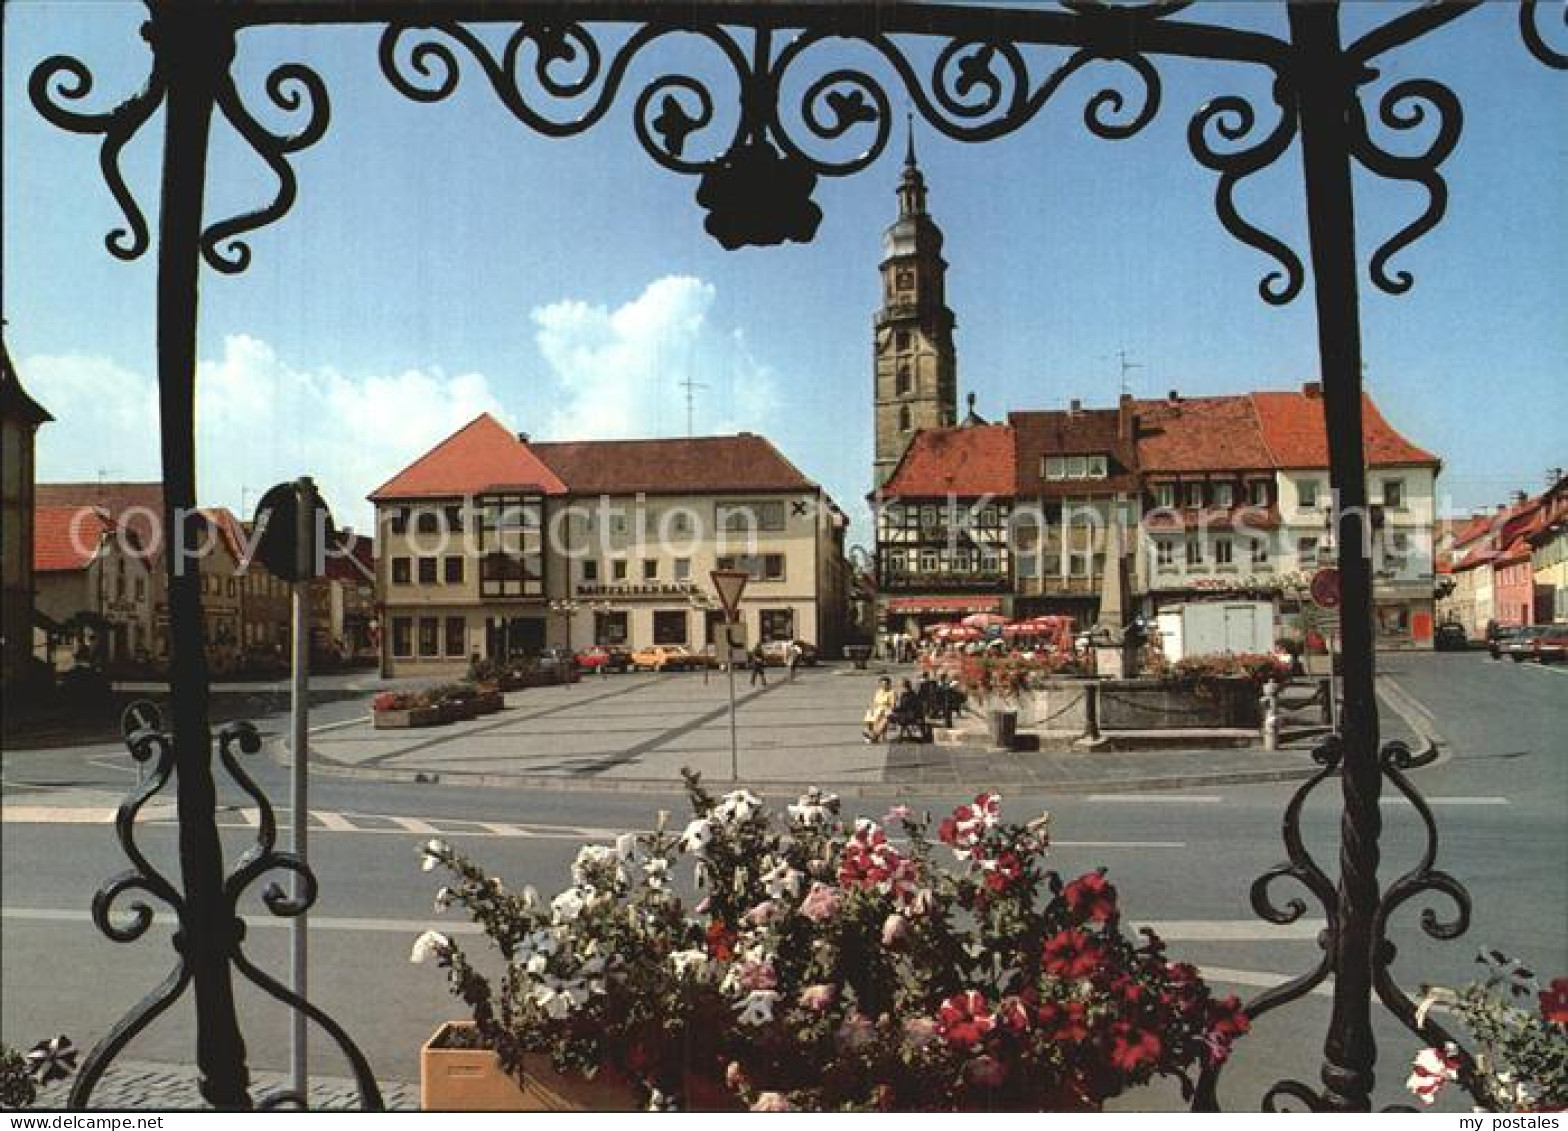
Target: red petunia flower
[[1064, 1022], [1072, 954], [1554, 1002], [1090, 898], [965, 1019], [1132, 1049], [721, 941]]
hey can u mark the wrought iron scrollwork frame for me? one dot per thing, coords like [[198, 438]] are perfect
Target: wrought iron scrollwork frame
[[261, 858], [978, 88]]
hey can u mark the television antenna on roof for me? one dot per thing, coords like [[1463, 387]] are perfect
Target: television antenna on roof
[[691, 385], [1126, 368]]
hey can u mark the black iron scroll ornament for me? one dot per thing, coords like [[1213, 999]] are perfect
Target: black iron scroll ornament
[[785, 121], [145, 879]]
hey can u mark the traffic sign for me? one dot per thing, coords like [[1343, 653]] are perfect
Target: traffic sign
[[729, 584], [1325, 588]]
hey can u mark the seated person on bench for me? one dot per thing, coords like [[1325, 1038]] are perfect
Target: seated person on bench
[[909, 715]]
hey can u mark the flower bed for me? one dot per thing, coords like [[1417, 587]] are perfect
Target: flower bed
[[399, 710], [827, 968]]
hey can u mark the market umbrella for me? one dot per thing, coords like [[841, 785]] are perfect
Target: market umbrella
[[984, 621], [951, 632]]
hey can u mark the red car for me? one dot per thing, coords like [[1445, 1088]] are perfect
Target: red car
[[1552, 645], [603, 657]]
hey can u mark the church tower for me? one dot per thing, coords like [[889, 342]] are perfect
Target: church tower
[[916, 368]]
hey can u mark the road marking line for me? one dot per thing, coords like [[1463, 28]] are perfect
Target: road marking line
[[415, 825], [251, 818], [1220, 930], [333, 822], [54, 815], [1156, 798], [1261, 979], [1461, 800], [1118, 844]]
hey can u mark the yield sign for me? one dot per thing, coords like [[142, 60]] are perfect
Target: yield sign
[[729, 584]]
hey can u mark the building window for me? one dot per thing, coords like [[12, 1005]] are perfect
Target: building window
[[456, 631], [590, 570], [511, 512], [1260, 492], [141, 588], [609, 628], [761, 567], [901, 339], [680, 522], [454, 571], [509, 575], [739, 518], [1399, 548], [777, 624], [1165, 495], [1393, 493], [650, 569], [904, 419], [1055, 467], [427, 571], [401, 571], [1224, 495], [454, 519], [427, 522], [1194, 494], [901, 381], [429, 630], [1223, 552], [682, 569], [1195, 553], [1164, 552], [397, 520], [1098, 465], [1260, 551], [669, 627], [1307, 551], [1309, 493], [402, 636], [618, 569], [927, 561]]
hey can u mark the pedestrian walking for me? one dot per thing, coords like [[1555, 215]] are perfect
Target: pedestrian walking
[[794, 654], [759, 667]]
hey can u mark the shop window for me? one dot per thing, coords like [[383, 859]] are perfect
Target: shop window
[[609, 628], [456, 631], [777, 624], [429, 631], [454, 571], [669, 626]]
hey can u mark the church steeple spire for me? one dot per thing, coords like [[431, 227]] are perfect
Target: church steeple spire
[[912, 184]]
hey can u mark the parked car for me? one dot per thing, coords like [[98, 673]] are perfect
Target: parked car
[[1498, 637], [1521, 646], [776, 653], [1450, 638], [604, 657], [1551, 647], [667, 658], [556, 659]]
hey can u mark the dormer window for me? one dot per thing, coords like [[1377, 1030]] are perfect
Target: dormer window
[[1074, 467], [1224, 495]]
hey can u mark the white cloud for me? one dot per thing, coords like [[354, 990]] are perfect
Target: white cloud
[[259, 421], [618, 372]]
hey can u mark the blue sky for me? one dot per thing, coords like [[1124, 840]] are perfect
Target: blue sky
[[443, 260]]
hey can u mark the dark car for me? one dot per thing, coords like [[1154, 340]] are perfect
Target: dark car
[[1450, 638], [1521, 646], [1499, 636], [1551, 647], [556, 659]]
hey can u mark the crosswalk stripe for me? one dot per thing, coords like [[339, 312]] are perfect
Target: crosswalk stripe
[[333, 822], [1155, 798], [415, 825]]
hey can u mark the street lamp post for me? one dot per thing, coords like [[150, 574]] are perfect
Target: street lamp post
[[567, 608]]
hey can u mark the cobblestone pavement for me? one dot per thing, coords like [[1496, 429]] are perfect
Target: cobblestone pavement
[[147, 1086]]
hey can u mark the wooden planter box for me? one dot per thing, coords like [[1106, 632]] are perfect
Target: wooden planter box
[[456, 710], [488, 702], [411, 717], [466, 1079]]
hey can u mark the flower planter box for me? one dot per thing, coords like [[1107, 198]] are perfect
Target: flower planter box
[[470, 1079], [408, 717], [456, 710], [488, 702], [1148, 704]]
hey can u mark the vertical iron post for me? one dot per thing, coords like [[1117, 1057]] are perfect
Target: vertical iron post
[[1326, 88], [306, 533], [194, 47]]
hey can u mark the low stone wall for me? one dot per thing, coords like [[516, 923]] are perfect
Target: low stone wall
[[1141, 704]]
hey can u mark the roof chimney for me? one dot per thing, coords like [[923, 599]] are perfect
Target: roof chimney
[[1312, 389], [1074, 407], [1517, 498], [1173, 397], [522, 437]]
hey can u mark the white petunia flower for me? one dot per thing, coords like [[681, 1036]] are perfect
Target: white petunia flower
[[697, 835], [626, 846], [738, 806], [567, 906], [657, 872], [444, 897], [757, 1007], [433, 851], [429, 945], [781, 879], [693, 961]]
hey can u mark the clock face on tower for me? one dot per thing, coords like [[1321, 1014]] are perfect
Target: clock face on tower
[[905, 279]]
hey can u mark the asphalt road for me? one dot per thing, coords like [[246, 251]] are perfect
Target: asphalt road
[[1183, 862]]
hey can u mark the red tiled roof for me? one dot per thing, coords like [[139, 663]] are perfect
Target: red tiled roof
[[686, 465], [230, 529], [1201, 434], [1100, 431], [358, 564], [67, 538], [136, 506], [966, 461], [481, 456], [1293, 430]]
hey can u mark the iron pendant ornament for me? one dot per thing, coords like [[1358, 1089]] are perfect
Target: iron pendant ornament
[[981, 72]]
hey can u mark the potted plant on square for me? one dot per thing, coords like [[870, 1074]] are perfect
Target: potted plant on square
[[397, 710], [823, 968]]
